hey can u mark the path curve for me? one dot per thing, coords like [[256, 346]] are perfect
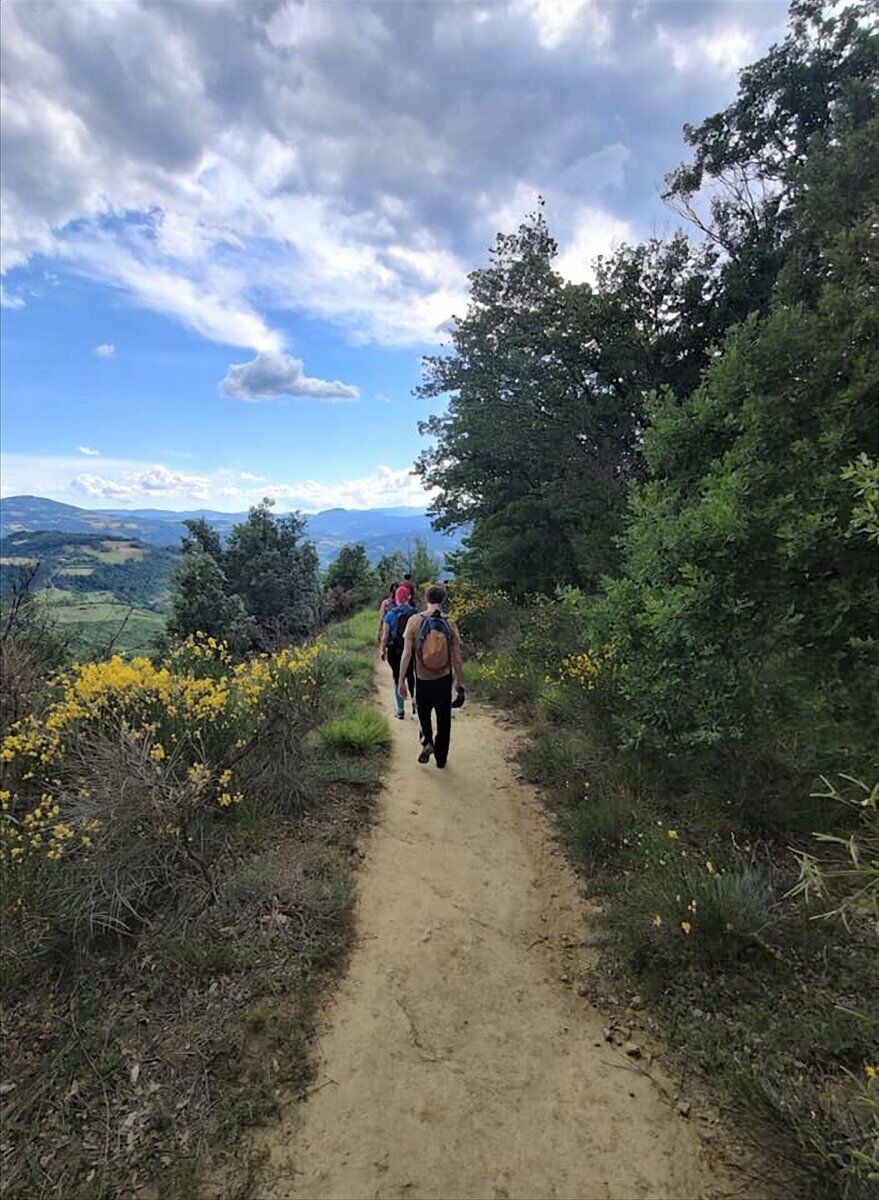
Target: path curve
[[455, 1063]]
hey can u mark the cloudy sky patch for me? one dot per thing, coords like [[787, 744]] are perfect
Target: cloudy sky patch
[[309, 184]]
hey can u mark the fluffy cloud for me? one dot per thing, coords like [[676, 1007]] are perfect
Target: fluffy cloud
[[87, 450], [556, 20], [387, 488], [270, 375], [105, 350], [595, 233], [156, 480], [725, 48], [125, 483], [220, 162]]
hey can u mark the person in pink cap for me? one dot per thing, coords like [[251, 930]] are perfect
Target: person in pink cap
[[393, 633]]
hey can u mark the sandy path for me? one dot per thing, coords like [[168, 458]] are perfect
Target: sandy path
[[454, 1062]]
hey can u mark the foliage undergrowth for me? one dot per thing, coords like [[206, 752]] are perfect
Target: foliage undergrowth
[[753, 943], [177, 842]]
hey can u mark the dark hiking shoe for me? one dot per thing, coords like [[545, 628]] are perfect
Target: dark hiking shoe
[[440, 765], [400, 714], [425, 754]]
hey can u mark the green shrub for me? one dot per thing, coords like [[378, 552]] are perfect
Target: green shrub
[[359, 730], [678, 908], [595, 826], [559, 758], [355, 669], [506, 678]]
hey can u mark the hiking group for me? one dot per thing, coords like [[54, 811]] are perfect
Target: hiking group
[[423, 650]]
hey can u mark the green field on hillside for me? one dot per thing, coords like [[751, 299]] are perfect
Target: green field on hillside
[[93, 621]]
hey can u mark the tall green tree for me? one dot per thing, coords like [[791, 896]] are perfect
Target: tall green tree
[[350, 569], [275, 572], [753, 164], [424, 567], [547, 383], [526, 451], [201, 603], [261, 590], [390, 569]]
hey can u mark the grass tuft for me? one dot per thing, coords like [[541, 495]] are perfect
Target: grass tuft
[[358, 731]]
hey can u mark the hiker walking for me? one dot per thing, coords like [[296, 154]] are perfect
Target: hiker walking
[[394, 624], [408, 582], [433, 643], [388, 602]]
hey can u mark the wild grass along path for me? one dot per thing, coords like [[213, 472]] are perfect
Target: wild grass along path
[[454, 1061]]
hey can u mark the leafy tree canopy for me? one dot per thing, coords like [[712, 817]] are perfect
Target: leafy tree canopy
[[261, 590]]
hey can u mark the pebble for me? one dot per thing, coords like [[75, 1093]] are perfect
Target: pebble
[[632, 1049], [683, 1107]]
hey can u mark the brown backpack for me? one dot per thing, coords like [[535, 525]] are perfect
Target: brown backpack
[[434, 648]]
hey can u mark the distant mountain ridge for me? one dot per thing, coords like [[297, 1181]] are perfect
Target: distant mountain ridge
[[381, 530]]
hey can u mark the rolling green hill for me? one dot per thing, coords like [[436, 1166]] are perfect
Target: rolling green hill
[[102, 590], [381, 530]]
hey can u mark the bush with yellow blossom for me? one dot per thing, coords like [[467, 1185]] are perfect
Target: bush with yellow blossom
[[119, 792]]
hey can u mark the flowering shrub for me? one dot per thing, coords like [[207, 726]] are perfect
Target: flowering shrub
[[503, 677], [589, 675], [477, 611], [132, 767]]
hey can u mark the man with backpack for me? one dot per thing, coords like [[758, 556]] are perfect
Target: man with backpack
[[394, 624], [433, 644]]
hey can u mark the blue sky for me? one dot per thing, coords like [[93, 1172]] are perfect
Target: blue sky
[[232, 229]]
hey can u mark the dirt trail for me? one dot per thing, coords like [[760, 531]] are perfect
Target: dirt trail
[[454, 1062]]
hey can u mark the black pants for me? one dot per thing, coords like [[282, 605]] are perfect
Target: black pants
[[394, 660], [436, 694]]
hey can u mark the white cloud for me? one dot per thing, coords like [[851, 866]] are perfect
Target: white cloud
[[725, 49], [156, 480], [557, 20], [213, 304], [105, 350], [8, 301], [87, 450], [270, 375], [386, 488], [105, 489], [595, 232], [221, 162], [124, 482]]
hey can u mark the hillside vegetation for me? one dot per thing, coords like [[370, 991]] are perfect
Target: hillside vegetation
[[176, 837], [105, 591], [672, 476]]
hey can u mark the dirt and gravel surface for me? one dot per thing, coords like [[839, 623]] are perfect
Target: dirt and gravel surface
[[459, 1058]]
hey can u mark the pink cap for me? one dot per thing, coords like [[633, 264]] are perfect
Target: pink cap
[[402, 594]]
